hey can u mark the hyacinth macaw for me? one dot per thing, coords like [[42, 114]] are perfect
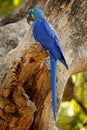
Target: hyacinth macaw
[[45, 34]]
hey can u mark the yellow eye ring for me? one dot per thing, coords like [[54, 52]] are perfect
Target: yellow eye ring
[[32, 10]]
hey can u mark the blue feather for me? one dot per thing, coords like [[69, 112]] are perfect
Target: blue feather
[[53, 63], [45, 34]]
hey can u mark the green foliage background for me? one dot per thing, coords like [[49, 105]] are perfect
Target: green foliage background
[[70, 116], [7, 5]]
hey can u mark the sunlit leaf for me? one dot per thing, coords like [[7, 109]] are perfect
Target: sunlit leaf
[[16, 2], [71, 116]]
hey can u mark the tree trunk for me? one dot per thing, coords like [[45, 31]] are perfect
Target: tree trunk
[[25, 91]]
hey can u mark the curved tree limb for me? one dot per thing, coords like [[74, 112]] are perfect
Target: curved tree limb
[[21, 68]]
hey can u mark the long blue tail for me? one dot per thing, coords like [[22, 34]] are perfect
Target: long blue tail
[[53, 63]]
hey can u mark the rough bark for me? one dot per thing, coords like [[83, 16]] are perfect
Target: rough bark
[[25, 82], [10, 36]]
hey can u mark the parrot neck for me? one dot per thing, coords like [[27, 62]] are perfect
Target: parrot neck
[[40, 18]]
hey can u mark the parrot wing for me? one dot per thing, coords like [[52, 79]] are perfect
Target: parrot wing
[[46, 35]]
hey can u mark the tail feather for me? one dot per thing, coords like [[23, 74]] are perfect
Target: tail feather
[[60, 56], [53, 63], [64, 62]]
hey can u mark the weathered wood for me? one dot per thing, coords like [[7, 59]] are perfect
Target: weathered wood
[[23, 78]]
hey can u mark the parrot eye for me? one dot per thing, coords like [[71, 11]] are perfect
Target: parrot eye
[[32, 10]]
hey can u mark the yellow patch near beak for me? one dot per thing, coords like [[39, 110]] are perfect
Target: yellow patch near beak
[[32, 16]]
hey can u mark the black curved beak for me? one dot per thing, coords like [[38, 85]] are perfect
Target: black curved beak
[[29, 18]]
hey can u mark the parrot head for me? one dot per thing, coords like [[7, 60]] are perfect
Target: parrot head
[[34, 14]]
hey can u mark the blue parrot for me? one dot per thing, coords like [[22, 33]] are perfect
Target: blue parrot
[[45, 34]]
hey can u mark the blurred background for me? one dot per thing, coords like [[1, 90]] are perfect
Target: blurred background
[[8, 5], [73, 111]]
